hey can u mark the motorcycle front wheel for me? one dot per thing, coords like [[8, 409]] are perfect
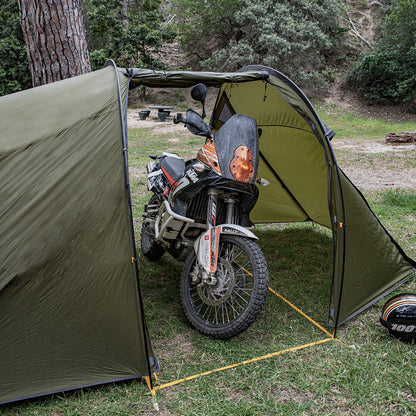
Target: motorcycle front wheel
[[228, 307]]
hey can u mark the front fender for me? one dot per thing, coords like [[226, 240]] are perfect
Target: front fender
[[237, 230], [206, 245]]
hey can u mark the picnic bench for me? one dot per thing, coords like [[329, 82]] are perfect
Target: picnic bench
[[162, 111]]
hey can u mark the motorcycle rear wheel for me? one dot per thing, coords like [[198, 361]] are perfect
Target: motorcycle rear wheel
[[229, 307], [150, 249]]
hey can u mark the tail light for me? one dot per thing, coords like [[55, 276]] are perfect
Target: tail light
[[241, 166]]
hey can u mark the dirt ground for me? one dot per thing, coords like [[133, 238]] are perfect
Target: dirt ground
[[377, 165], [388, 171], [133, 121]]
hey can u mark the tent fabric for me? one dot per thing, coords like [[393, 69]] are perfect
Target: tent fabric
[[374, 263], [70, 310], [306, 183], [183, 79]]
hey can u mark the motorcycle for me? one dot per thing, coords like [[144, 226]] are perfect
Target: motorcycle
[[199, 213]]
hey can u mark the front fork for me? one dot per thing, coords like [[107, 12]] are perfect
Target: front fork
[[208, 244], [214, 233]]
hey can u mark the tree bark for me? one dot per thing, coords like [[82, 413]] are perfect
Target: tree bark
[[54, 34]]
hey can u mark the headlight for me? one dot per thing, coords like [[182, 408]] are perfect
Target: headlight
[[241, 166]]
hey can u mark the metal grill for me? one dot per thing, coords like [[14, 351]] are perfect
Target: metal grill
[[197, 209]]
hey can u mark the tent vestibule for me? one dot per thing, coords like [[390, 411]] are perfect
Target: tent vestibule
[[306, 183], [71, 313]]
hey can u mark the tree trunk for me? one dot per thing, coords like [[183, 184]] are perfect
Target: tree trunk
[[54, 34]]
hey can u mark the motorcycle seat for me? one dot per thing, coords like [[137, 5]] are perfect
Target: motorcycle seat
[[173, 167]]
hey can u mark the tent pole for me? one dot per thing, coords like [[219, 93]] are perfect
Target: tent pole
[[123, 120], [343, 250]]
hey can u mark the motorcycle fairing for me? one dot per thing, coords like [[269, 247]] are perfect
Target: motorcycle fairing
[[206, 246], [156, 180], [194, 195], [208, 156], [190, 188]]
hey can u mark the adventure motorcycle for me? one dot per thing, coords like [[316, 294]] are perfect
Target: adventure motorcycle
[[199, 212]]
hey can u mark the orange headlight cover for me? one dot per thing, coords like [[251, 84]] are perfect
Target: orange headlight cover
[[241, 166]]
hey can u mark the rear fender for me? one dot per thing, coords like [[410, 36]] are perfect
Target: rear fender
[[206, 246]]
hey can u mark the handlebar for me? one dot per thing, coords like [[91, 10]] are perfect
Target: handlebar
[[194, 123]]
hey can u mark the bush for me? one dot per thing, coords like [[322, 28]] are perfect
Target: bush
[[14, 67], [388, 72], [132, 36], [297, 38]]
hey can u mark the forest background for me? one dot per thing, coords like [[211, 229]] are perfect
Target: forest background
[[365, 46]]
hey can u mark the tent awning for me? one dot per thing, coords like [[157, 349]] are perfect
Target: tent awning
[[183, 79]]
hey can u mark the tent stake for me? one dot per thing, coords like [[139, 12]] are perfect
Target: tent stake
[[152, 390]]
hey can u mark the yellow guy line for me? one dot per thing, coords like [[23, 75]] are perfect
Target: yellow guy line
[[263, 357], [228, 367], [302, 313]]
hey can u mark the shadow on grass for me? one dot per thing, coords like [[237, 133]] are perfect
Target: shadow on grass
[[300, 268], [300, 264]]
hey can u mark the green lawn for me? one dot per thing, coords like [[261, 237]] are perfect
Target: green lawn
[[367, 373], [347, 125]]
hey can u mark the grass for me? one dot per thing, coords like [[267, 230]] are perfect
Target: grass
[[347, 125], [368, 373], [396, 209]]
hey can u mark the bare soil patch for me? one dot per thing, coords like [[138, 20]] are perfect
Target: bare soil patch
[[389, 171], [377, 165], [153, 122], [352, 103]]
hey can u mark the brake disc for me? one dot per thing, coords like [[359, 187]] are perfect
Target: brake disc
[[215, 295]]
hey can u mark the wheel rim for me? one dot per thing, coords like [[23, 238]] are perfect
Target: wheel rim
[[223, 302]]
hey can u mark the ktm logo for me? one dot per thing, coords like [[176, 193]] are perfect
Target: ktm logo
[[192, 175]]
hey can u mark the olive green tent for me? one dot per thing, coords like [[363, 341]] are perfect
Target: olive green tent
[[71, 313], [296, 157], [70, 309]]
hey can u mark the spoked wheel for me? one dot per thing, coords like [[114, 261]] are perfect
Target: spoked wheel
[[151, 250], [232, 303]]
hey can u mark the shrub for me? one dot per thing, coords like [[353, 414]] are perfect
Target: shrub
[[297, 38], [130, 35], [388, 72], [14, 67]]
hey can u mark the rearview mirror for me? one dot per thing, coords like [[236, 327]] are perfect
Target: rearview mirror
[[199, 92]]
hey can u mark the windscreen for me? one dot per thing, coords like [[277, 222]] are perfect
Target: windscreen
[[239, 130]]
